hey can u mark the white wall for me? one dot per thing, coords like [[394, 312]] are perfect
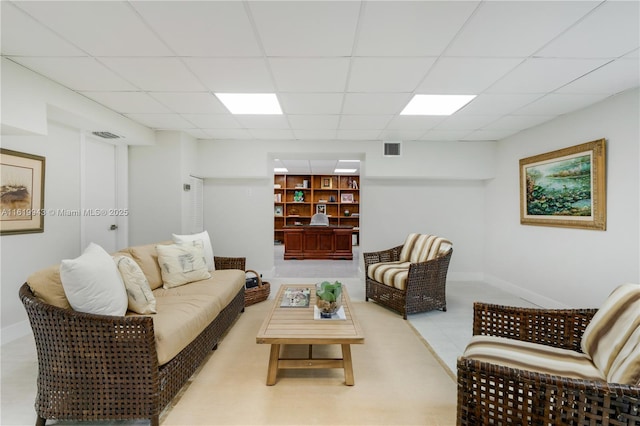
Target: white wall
[[436, 187], [572, 267], [24, 254]]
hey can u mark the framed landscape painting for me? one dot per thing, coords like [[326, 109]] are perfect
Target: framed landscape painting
[[565, 188], [21, 193]]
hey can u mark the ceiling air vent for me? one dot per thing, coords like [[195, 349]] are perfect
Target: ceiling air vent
[[391, 149], [106, 135]]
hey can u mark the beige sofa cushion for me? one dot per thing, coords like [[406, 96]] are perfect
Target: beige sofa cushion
[[532, 357], [626, 367], [613, 324], [393, 274], [47, 286], [224, 284], [147, 258], [185, 311]]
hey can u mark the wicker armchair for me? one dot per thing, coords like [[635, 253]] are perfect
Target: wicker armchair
[[425, 288], [497, 395]]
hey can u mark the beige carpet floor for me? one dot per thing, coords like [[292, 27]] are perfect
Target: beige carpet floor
[[398, 381]]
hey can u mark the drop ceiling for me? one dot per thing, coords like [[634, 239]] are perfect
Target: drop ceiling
[[341, 70]]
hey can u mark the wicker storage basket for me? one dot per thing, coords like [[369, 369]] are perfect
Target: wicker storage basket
[[256, 294]]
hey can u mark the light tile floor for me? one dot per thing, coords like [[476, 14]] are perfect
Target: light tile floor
[[446, 332]]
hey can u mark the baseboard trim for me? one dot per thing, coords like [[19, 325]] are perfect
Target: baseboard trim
[[529, 296]]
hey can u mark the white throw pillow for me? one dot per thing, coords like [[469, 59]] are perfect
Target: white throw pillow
[[141, 298], [204, 237], [93, 284], [182, 263]]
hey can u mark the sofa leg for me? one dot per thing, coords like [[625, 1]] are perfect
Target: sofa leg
[[41, 421], [155, 420]]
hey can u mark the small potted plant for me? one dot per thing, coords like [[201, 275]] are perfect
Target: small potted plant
[[328, 298]]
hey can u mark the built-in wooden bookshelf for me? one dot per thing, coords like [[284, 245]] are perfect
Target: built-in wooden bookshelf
[[298, 197]]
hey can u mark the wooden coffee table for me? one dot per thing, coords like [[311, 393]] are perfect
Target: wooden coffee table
[[296, 326]]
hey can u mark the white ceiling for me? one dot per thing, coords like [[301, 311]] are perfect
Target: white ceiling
[[341, 70]]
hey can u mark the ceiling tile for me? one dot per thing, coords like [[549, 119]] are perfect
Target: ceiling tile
[[402, 135], [232, 75], [314, 121], [201, 28], [213, 121], [128, 102], [540, 75], [465, 76], [466, 122], [314, 134], [517, 122], [365, 122], [229, 133], [283, 134], [375, 103], [557, 103], [190, 103], [612, 78], [410, 28], [155, 74], [22, 35], [83, 74], [423, 122], [497, 104], [311, 103], [301, 28], [263, 121], [310, 74], [611, 30], [488, 135], [515, 28], [444, 135], [100, 28], [162, 121], [379, 75], [358, 134]]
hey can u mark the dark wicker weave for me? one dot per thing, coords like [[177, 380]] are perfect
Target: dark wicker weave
[[426, 284], [97, 367], [498, 395]]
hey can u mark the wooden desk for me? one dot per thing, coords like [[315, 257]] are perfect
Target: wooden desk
[[296, 326], [318, 242]]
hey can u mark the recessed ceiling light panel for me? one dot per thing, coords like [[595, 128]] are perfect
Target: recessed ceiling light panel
[[345, 170], [251, 103], [436, 104]]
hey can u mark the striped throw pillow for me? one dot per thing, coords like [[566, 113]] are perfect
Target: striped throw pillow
[[626, 367], [407, 247], [612, 326]]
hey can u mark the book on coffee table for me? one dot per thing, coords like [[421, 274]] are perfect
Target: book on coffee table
[[296, 298]]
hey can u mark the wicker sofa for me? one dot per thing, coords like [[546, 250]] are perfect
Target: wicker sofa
[[558, 366], [412, 277], [101, 367]]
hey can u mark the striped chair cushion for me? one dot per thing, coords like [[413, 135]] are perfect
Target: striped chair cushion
[[532, 357], [612, 326], [393, 274], [417, 248], [626, 367], [407, 247]]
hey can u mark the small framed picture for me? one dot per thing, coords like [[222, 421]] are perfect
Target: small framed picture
[[346, 198], [321, 208], [326, 182], [22, 190], [277, 210]]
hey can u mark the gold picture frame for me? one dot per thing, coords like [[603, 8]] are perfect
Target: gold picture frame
[[326, 182], [565, 188], [21, 192]]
